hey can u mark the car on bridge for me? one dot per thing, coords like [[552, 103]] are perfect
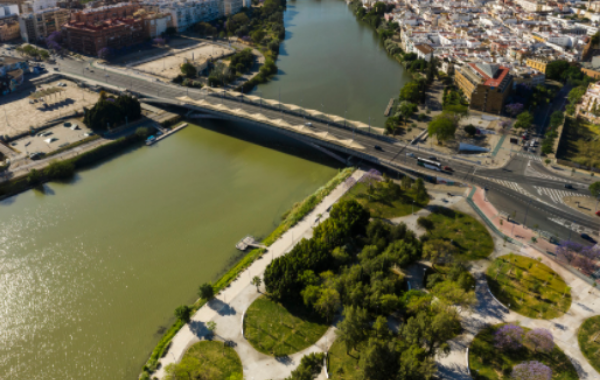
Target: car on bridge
[[433, 158], [411, 155], [377, 147], [448, 169]]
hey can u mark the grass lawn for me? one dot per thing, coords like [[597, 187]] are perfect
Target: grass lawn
[[214, 360], [384, 208], [341, 365], [589, 341], [471, 238], [581, 143], [530, 287], [278, 330], [489, 363]]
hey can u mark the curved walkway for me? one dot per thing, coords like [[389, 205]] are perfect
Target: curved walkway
[[489, 311], [228, 307]]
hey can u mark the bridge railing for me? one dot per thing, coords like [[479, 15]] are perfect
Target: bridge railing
[[278, 108]]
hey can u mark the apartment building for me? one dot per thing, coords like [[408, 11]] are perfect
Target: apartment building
[[538, 64], [38, 25], [108, 12], [12, 72], [115, 34], [589, 107], [9, 29], [485, 85]]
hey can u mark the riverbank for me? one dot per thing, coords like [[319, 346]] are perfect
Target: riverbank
[[295, 215]]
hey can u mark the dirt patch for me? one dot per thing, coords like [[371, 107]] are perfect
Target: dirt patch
[[585, 205]]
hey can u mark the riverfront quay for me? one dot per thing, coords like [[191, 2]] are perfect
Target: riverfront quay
[[93, 269]]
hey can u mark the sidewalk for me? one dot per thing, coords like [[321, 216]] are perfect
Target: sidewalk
[[229, 306]]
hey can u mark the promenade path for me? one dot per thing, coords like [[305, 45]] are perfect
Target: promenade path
[[489, 311], [228, 307]]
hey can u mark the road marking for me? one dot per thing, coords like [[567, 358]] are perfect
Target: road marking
[[573, 226], [557, 195]]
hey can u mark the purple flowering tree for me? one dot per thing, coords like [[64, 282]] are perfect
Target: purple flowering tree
[[104, 53], [540, 339], [514, 109], [349, 182], [509, 337], [582, 257], [533, 370]]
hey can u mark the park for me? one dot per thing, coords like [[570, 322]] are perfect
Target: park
[[384, 287]]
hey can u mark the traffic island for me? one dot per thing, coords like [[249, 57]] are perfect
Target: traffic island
[[281, 329], [528, 287]]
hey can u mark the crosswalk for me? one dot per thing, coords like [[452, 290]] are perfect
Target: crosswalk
[[511, 185], [573, 226], [528, 156], [531, 172], [557, 195]]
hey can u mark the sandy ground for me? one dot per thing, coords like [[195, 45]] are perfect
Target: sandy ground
[[584, 205], [21, 115], [169, 67]]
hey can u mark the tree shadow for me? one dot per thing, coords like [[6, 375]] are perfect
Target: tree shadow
[[221, 307], [285, 360], [199, 328]]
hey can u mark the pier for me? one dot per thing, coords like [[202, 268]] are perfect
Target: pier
[[165, 133], [389, 107], [249, 241]]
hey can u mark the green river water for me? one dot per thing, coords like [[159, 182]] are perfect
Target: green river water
[[91, 271]]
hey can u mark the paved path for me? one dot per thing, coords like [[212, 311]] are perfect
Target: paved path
[[228, 307], [489, 311]]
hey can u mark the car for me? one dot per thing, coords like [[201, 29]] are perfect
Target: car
[[432, 158], [411, 155], [44, 134], [448, 169], [56, 69], [444, 200], [598, 213], [308, 124], [66, 124], [91, 71], [568, 186], [89, 134], [377, 147], [588, 238], [36, 155]]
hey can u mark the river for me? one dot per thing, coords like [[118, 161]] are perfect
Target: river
[[92, 270]]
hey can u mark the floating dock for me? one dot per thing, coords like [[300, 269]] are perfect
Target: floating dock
[[248, 241], [154, 139], [389, 107]]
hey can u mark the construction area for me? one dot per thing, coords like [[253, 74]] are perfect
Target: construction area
[[169, 67]]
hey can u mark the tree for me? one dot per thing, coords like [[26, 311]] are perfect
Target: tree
[[256, 281], [442, 127], [328, 302], [555, 69], [411, 92], [421, 195], [183, 313], [540, 339], [524, 120], [533, 370], [354, 328], [351, 216], [405, 182], [206, 291], [509, 337], [34, 177], [257, 36], [211, 326], [438, 250], [380, 360], [188, 70], [60, 170], [471, 130], [190, 368], [309, 368], [381, 327], [514, 109], [595, 189]]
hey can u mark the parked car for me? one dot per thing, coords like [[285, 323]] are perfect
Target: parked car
[[36, 155], [588, 238], [377, 147], [598, 213], [56, 69]]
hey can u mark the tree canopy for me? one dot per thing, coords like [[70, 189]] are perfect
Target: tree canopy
[[110, 112], [442, 127]]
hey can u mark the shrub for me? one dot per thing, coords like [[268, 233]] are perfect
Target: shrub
[[183, 313], [425, 223], [60, 170], [206, 291], [532, 370], [540, 339]]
